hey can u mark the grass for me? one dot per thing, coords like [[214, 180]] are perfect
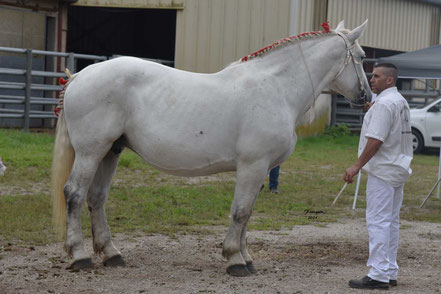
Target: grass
[[144, 199]]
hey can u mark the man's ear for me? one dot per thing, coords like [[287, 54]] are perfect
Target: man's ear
[[390, 80]]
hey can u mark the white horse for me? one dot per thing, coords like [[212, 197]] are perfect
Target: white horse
[[189, 124]]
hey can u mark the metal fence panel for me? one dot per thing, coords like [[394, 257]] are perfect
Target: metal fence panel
[[28, 91]]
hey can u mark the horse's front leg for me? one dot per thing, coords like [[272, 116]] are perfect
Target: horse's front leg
[[249, 178]]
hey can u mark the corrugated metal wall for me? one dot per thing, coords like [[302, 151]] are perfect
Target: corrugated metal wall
[[309, 14], [401, 25], [160, 4], [212, 34]]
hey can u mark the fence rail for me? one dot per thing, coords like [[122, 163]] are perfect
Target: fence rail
[[18, 105]]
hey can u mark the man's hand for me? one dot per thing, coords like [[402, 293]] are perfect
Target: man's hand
[[350, 173], [369, 151]]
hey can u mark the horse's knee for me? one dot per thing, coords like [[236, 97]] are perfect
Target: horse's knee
[[241, 214]]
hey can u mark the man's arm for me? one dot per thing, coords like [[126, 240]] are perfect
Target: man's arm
[[369, 151]]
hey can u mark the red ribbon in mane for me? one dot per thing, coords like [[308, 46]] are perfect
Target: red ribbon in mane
[[325, 25]]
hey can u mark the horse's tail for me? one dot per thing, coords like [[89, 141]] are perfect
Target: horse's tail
[[63, 159]]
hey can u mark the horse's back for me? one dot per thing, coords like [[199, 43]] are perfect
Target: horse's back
[[181, 122], [174, 119]]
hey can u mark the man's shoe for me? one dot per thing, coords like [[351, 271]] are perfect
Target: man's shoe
[[368, 283], [393, 283], [274, 190]]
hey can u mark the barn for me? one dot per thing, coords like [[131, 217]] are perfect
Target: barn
[[206, 35]]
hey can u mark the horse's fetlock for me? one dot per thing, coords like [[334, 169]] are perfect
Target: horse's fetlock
[[100, 242], [98, 248], [226, 253], [68, 248], [228, 250]]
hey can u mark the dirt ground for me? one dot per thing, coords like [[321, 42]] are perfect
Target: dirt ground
[[306, 259]]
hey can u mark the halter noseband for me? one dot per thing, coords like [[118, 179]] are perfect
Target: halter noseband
[[349, 57]]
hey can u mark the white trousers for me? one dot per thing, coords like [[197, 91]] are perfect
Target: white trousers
[[383, 224]]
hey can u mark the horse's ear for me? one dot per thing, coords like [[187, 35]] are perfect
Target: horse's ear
[[340, 26], [356, 33]]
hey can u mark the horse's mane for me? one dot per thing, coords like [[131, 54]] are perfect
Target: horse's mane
[[283, 41]]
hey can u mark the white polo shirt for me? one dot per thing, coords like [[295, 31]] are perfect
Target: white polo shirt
[[388, 120]]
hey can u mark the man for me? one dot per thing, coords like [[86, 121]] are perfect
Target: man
[[273, 180], [385, 153]]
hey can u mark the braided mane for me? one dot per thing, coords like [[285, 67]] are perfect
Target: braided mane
[[326, 30]]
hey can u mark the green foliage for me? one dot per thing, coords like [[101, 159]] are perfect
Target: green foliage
[[144, 199], [337, 131]]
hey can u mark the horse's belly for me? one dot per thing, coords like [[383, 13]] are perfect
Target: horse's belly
[[185, 163], [184, 154]]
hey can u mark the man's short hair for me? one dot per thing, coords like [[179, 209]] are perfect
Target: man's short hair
[[391, 69]]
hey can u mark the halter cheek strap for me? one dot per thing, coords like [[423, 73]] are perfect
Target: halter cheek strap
[[349, 57], [307, 69]]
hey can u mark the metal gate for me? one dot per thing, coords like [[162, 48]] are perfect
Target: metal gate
[[28, 91]]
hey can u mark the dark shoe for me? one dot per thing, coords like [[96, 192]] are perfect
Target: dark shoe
[[261, 188], [393, 283], [368, 283], [274, 190]]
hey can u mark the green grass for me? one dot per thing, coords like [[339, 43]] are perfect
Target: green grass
[[144, 199]]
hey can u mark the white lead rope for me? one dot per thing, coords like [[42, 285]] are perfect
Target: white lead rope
[[339, 193], [430, 193]]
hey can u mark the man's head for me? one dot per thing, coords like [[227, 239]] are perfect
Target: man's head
[[384, 76]]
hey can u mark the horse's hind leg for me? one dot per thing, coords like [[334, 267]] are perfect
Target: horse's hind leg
[[96, 198], [75, 191], [249, 180]]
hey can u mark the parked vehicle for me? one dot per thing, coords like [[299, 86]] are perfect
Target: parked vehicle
[[426, 126]]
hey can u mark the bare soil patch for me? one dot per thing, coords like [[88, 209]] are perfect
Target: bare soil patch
[[306, 259]]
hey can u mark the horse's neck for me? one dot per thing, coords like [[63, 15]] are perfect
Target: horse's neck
[[306, 68]]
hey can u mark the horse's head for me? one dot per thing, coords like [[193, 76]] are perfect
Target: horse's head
[[350, 80]]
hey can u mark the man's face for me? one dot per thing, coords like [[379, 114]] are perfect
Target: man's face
[[380, 81]]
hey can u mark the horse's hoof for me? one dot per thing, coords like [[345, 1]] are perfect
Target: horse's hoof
[[114, 261], [251, 268], [81, 264], [238, 270]]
